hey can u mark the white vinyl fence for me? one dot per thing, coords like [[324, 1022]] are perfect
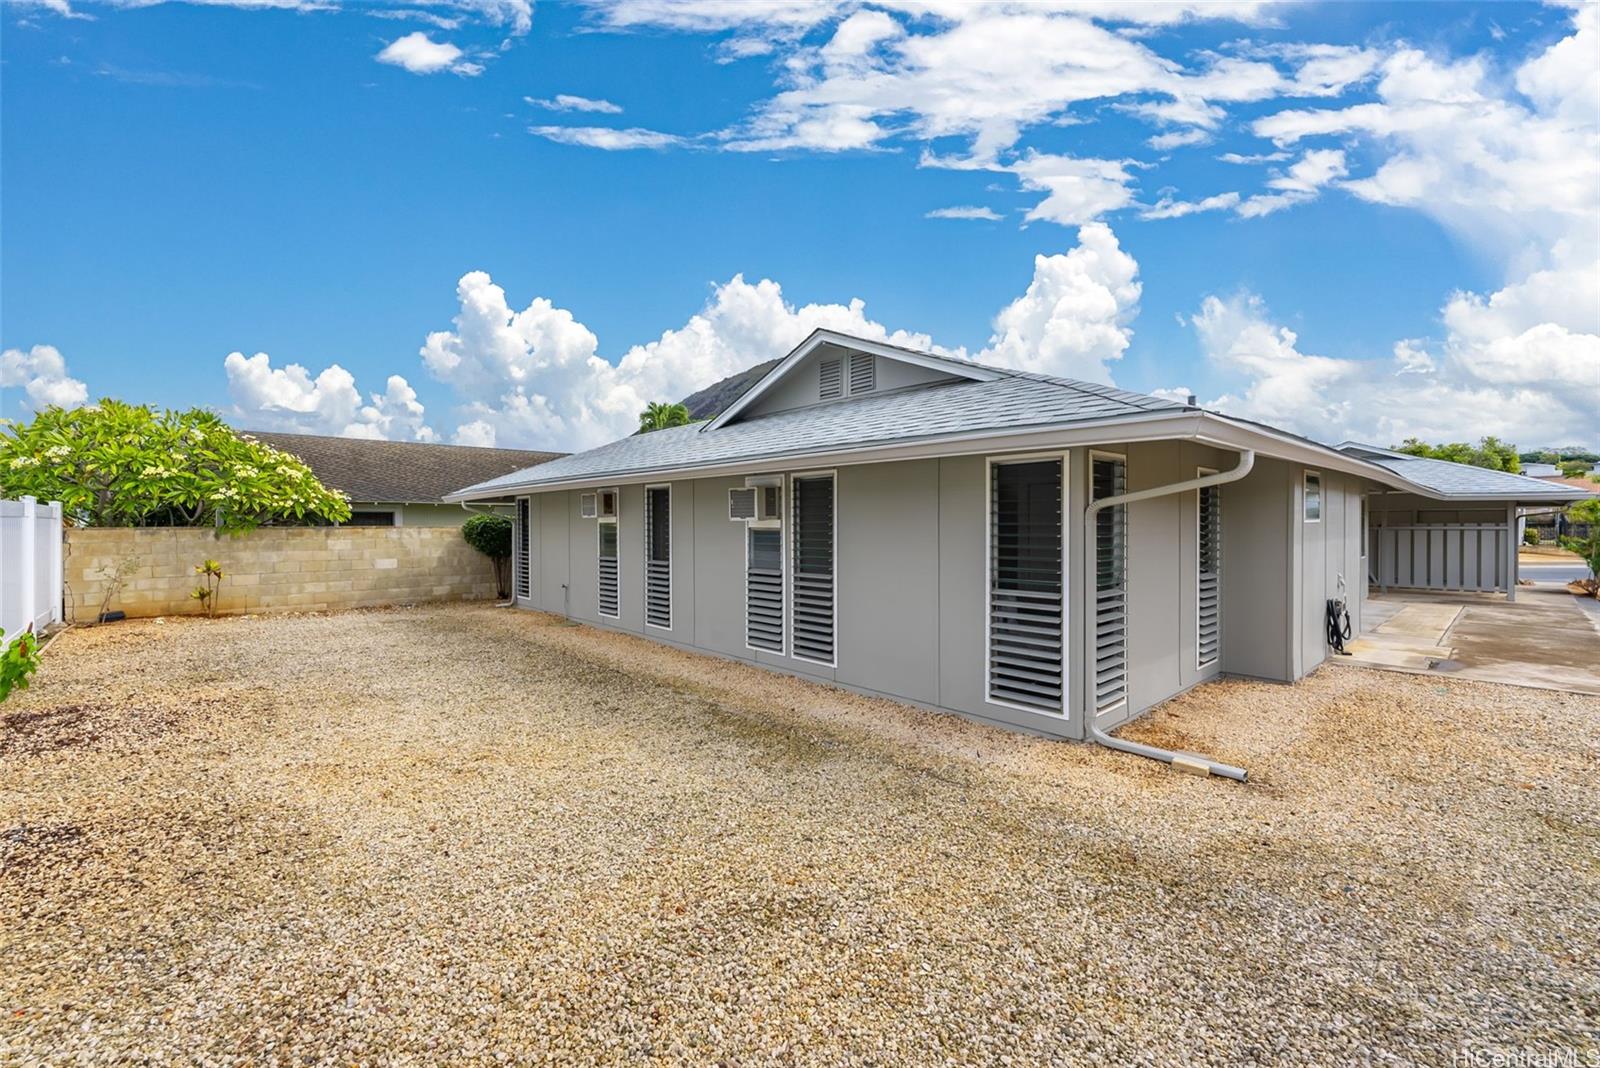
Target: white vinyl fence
[[30, 565]]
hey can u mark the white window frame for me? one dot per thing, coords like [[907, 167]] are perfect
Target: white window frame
[[1202, 665], [672, 559], [1091, 591], [1305, 496], [614, 521], [783, 561], [589, 505], [990, 463], [788, 577]]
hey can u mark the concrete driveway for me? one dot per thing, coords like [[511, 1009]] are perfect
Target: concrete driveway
[[1544, 639]]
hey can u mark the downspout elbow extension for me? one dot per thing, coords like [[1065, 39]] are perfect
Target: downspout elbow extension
[[1186, 762]]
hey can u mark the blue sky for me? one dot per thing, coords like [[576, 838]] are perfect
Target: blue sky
[[438, 194]]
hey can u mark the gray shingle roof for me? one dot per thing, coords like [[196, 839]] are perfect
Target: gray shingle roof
[[1463, 480], [1014, 400], [398, 472]]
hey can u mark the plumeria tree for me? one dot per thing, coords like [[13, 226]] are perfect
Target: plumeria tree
[[115, 464]]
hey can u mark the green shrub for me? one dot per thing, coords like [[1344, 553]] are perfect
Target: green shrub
[[491, 536], [122, 465], [1530, 536], [18, 660]]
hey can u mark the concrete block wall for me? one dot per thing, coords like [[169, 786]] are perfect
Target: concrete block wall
[[298, 569]]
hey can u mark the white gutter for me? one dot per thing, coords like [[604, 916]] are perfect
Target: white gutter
[[1183, 761]]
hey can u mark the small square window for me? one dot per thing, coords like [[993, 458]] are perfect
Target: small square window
[[1313, 498]]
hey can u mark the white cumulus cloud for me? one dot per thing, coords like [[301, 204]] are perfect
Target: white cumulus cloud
[[421, 54], [1503, 369], [288, 398], [534, 377], [1074, 319], [41, 374]]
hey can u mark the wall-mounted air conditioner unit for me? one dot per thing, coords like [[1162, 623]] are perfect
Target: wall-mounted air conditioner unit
[[742, 504], [759, 505]]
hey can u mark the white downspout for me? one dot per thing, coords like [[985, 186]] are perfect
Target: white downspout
[[1182, 761]]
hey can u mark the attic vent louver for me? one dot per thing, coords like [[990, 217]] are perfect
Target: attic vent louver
[[830, 379], [863, 372]]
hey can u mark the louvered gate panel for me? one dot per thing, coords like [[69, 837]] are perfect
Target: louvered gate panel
[[811, 581], [522, 579], [763, 591], [608, 569], [1209, 607], [658, 556], [1025, 585], [1110, 672]]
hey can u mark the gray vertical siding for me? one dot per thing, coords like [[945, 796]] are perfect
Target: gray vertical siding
[[912, 582], [888, 567]]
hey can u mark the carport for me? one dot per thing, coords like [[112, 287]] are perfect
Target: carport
[[1448, 527]]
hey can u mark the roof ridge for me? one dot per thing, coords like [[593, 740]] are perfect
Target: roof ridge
[[1096, 389]]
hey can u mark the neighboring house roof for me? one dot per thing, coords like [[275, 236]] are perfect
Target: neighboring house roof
[[1583, 482], [981, 408], [1463, 480], [398, 472], [1541, 470]]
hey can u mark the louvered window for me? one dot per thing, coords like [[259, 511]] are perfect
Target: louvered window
[[811, 580], [1209, 608], [608, 568], [1110, 674], [658, 556], [863, 372], [830, 379], [521, 578], [1025, 584], [763, 589]]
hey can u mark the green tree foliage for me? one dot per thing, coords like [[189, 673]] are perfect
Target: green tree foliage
[[491, 536], [659, 415], [1555, 456], [1588, 547], [120, 465], [1490, 452], [1574, 468]]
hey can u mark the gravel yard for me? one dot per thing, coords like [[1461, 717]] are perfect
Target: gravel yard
[[466, 834]]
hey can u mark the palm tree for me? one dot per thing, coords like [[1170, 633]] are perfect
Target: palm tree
[[658, 415]]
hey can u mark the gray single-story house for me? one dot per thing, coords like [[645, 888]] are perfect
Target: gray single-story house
[[400, 483], [1049, 555]]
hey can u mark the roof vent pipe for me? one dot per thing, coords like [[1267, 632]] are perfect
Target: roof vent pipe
[[1182, 761]]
